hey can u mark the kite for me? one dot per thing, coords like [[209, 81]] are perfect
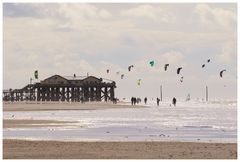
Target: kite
[[151, 63], [181, 80], [221, 73], [203, 65], [139, 82], [107, 70], [178, 70], [166, 66], [130, 67], [36, 74]]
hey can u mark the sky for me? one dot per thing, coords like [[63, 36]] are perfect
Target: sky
[[81, 38]]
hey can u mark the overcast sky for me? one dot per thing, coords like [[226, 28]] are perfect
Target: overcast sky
[[89, 38]]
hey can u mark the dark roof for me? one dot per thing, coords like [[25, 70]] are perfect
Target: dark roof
[[55, 76], [79, 78]]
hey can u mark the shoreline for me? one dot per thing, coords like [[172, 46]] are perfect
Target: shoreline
[[49, 106], [26, 149]]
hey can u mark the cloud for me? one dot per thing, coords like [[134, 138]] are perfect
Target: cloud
[[143, 11], [149, 12], [20, 10], [172, 57], [105, 14], [229, 52], [216, 16]]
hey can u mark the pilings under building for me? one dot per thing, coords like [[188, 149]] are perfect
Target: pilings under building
[[58, 88]]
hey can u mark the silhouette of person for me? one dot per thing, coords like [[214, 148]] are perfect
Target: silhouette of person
[[145, 100], [174, 101], [158, 100], [132, 100]]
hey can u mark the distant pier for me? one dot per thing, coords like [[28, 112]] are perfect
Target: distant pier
[[59, 88]]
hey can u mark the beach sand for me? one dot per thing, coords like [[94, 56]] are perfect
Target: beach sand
[[44, 106], [16, 123], [22, 149]]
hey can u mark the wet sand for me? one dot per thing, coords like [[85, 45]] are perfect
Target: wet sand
[[16, 123], [21, 149], [45, 106]]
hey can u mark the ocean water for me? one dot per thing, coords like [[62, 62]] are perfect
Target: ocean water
[[188, 121]]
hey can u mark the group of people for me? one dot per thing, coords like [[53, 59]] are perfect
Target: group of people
[[135, 100]]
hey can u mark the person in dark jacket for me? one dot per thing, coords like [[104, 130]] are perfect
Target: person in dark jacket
[[158, 100], [132, 100], [174, 101], [145, 100]]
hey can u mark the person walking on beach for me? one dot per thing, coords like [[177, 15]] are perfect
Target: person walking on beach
[[174, 101], [145, 100], [158, 100], [132, 100], [138, 100]]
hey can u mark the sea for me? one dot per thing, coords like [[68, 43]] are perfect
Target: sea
[[191, 121]]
